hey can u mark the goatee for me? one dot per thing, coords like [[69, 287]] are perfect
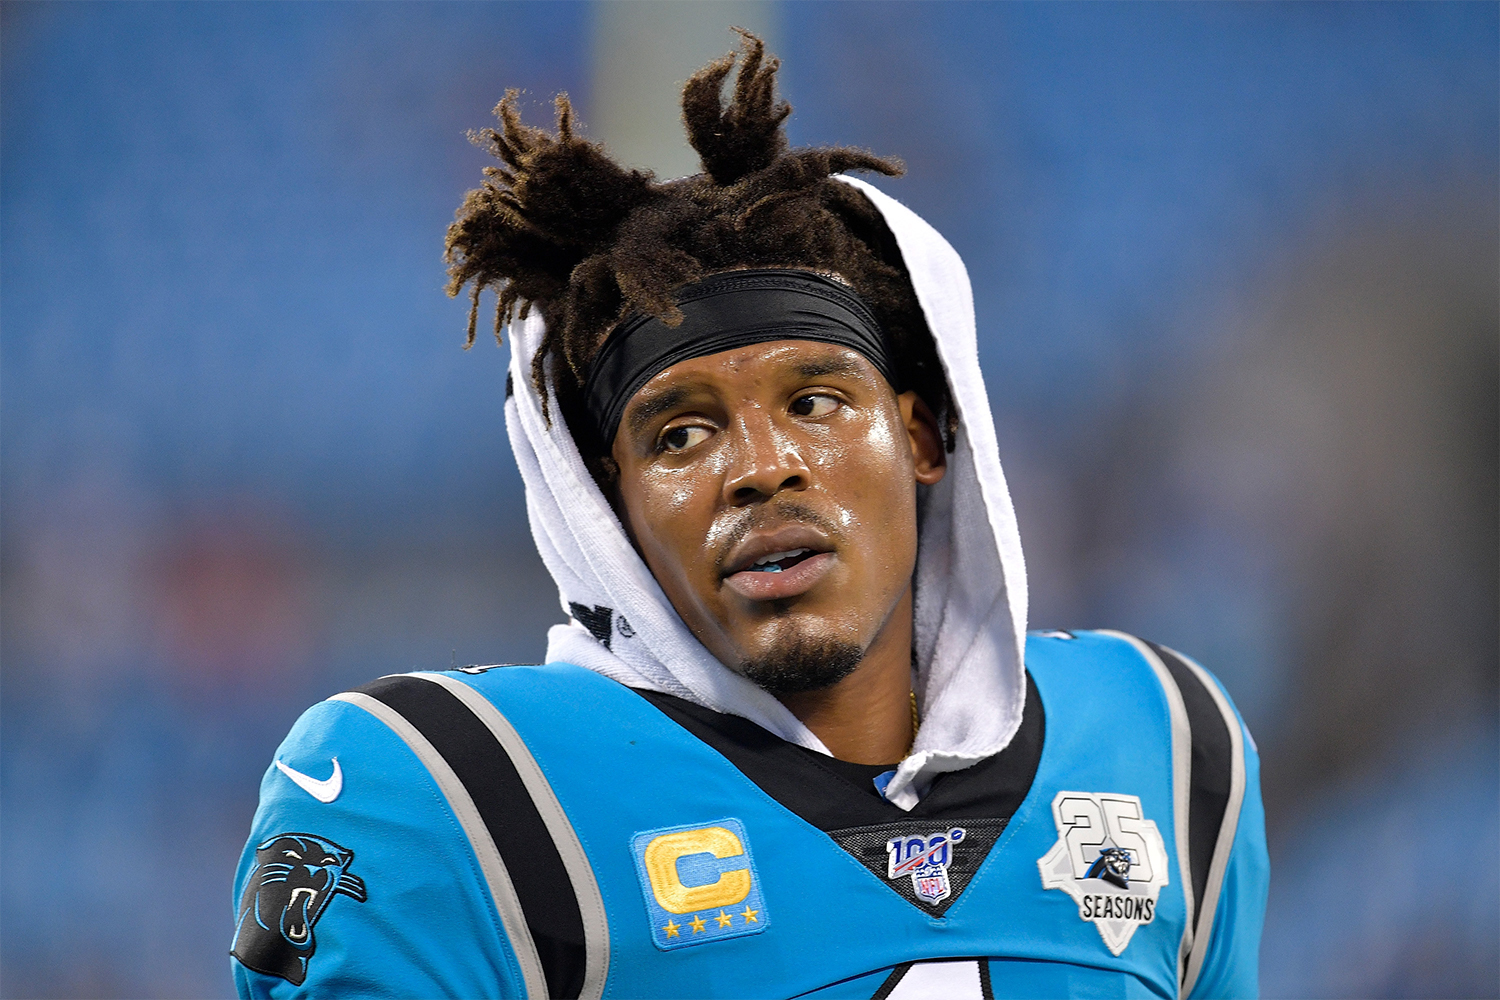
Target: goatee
[[803, 665]]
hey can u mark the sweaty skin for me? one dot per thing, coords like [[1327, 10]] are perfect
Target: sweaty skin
[[799, 452]]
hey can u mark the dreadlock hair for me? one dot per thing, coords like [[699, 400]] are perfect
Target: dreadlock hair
[[563, 228]]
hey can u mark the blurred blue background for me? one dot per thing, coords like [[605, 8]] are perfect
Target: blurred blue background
[[1235, 269]]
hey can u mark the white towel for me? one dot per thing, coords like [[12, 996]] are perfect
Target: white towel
[[970, 578]]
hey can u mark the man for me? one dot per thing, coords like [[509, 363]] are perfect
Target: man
[[794, 740]]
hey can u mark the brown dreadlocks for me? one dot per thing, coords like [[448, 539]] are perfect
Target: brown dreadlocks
[[563, 228]]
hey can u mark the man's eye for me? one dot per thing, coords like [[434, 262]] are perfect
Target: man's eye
[[814, 406], [683, 438]]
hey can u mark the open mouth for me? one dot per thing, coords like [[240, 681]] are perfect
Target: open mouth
[[297, 930], [773, 564], [778, 562], [781, 575]]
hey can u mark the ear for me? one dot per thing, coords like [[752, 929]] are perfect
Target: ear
[[606, 473], [929, 457]]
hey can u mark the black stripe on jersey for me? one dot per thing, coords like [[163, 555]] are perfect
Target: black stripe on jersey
[[892, 981], [1212, 768], [531, 858]]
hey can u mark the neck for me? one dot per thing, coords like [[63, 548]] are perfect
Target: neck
[[866, 717]]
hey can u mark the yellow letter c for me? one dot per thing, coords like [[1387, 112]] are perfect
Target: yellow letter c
[[660, 858]]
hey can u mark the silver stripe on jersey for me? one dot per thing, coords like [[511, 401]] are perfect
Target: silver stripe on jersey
[[1182, 775], [507, 904], [1227, 830], [575, 861]]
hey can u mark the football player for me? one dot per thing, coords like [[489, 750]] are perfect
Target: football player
[[793, 740]]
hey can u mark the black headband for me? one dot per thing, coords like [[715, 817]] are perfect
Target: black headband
[[723, 312]]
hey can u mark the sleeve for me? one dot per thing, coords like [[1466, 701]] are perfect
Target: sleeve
[[358, 879], [1231, 964]]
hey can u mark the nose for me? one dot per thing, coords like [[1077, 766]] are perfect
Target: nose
[[765, 461]]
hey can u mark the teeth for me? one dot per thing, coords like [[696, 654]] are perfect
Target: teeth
[[777, 557]]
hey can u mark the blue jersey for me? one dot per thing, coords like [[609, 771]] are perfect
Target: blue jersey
[[544, 831]]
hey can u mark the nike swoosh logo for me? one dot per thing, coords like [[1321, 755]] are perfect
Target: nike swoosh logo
[[323, 791]]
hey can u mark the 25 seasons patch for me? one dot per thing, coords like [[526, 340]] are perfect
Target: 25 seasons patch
[[1110, 859], [295, 877], [700, 883]]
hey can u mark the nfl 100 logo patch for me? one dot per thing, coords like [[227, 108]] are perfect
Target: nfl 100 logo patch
[[925, 858], [1110, 859], [700, 883]]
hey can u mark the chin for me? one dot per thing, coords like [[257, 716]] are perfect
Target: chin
[[806, 660]]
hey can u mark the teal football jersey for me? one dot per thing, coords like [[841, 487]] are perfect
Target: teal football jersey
[[544, 831]]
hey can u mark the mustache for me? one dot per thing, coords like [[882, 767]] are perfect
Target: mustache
[[764, 516]]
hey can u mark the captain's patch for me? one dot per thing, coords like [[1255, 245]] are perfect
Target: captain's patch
[[699, 883], [1110, 859]]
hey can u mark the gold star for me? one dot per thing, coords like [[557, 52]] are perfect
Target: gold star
[[750, 915], [696, 923], [724, 919], [671, 928]]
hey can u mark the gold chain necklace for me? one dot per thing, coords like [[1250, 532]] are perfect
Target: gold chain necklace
[[915, 722]]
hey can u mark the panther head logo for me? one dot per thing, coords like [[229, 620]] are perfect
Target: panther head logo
[[1113, 866], [294, 878]]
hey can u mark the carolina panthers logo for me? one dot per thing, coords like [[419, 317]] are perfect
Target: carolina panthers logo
[[1113, 866], [294, 878]]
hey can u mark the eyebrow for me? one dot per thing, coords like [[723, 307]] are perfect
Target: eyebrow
[[654, 405], [834, 365]]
